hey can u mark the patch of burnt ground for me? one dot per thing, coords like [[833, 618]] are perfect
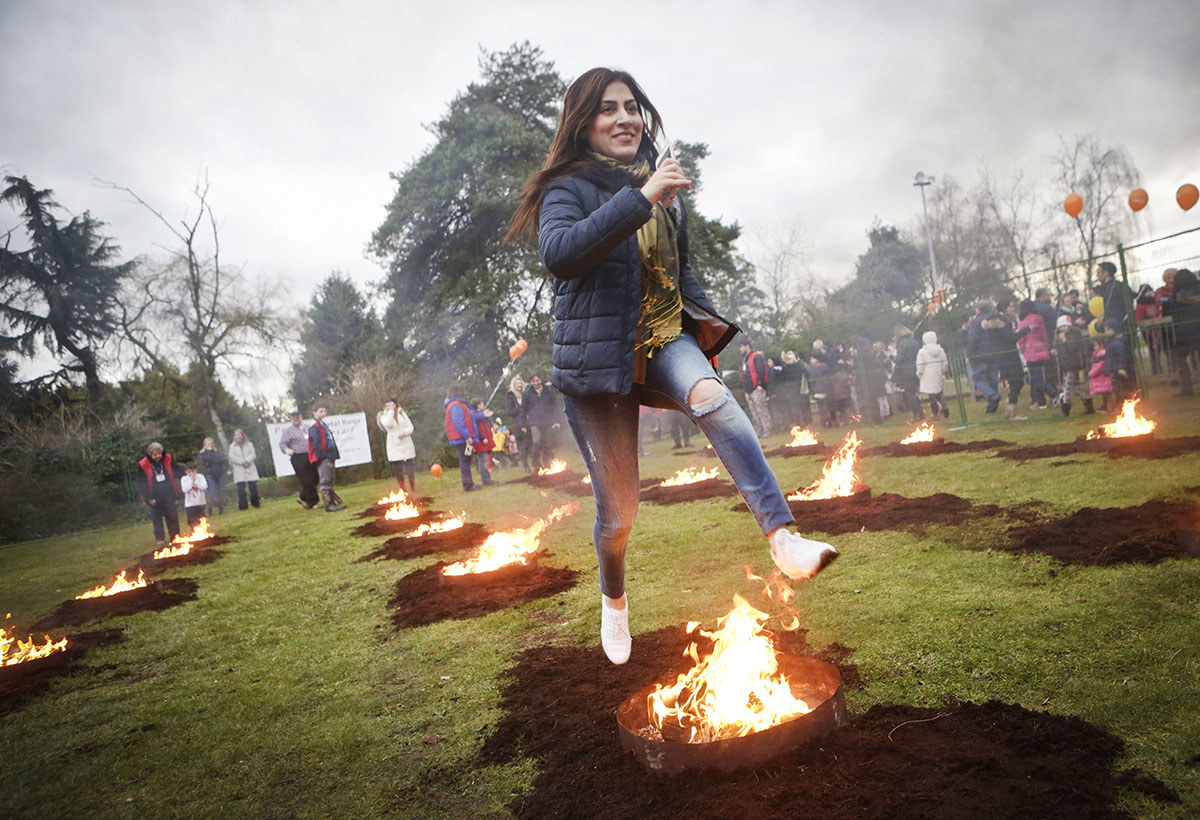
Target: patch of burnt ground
[[23, 680], [469, 536], [1102, 536], [426, 596], [1155, 448], [383, 526], [696, 491], [893, 761], [198, 556], [887, 511], [156, 596]]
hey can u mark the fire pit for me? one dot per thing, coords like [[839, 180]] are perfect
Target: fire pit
[[512, 550], [1128, 431], [817, 683], [922, 441], [739, 705], [838, 481]]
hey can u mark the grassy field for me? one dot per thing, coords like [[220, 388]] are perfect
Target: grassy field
[[285, 690]]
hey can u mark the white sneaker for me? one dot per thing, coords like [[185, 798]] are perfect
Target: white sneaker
[[798, 557], [614, 631]]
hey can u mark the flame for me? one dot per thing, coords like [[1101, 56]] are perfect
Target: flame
[[924, 432], [587, 479], [735, 690], [27, 650], [439, 526], [395, 497], [1128, 423], [688, 475], [777, 590], [502, 549], [556, 466], [837, 478], [182, 546], [119, 585], [401, 510], [802, 437]]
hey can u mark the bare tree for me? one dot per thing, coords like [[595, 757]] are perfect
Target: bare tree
[[785, 280], [1010, 210], [1102, 176], [195, 310]]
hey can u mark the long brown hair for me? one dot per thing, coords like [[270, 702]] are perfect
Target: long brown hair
[[570, 145]]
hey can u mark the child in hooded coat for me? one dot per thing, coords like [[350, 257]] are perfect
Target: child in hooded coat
[[931, 370]]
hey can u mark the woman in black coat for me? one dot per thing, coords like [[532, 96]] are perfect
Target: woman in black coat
[[1183, 307], [633, 326]]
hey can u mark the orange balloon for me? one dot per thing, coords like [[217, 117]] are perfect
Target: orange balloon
[[1073, 204], [1186, 196], [436, 470], [933, 307], [1138, 199], [521, 346], [513, 352]]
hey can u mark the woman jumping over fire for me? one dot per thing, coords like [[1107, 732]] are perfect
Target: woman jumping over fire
[[633, 326]]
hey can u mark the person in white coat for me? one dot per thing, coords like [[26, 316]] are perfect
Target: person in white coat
[[932, 363], [245, 473], [400, 450]]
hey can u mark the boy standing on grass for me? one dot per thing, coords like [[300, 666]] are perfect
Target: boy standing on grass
[[195, 489]]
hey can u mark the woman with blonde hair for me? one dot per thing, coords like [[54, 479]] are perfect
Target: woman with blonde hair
[[517, 409], [245, 472], [633, 326]]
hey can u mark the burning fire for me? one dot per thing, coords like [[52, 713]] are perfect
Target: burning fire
[[395, 497], [924, 432], [514, 547], [556, 466], [401, 510], [1128, 423], [182, 546], [735, 690], [587, 479], [837, 478], [119, 585], [439, 526], [689, 475], [26, 650], [803, 437]]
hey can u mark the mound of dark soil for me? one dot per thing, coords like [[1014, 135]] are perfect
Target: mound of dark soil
[[469, 536], [963, 760], [548, 482], [796, 452], [422, 597], [709, 488], [952, 447], [196, 557], [26, 679], [156, 596], [377, 510], [382, 526], [886, 511], [1155, 448], [1144, 534]]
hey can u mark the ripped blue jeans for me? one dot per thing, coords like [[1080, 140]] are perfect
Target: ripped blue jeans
[[605, 428]]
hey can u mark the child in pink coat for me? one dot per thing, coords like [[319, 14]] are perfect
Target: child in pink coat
[[1100, 384], [1035, 347]]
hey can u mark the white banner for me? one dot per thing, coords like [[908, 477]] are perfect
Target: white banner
[[349, 432]]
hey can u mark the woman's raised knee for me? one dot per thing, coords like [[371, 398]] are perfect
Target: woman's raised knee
[[706, 395]]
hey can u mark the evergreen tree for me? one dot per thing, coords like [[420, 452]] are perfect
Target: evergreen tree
[[62, 290], [340, 330]]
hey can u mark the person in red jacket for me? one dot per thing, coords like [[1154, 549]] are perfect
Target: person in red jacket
[[159, 488], [754, 382], [462, 435]]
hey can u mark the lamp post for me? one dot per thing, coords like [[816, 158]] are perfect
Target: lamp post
[[920, 181]]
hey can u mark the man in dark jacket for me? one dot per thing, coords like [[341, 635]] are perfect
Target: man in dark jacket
[[159, 488], [293, 443], [754, 381], [1113, 292], [905, 375], [1183, 306], [323, 452], [544, 418], [1118, 362]]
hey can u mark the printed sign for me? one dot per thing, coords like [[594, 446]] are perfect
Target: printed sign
[[349, 431]]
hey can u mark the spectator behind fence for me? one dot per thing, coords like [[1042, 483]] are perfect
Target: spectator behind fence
[[1035, 347], [932, 363], [159, 488], [1183, 306], [215, 464], [905, 373], [194, 487], [245, 471], [1118, 363], [1099, 382], [1071, 351]]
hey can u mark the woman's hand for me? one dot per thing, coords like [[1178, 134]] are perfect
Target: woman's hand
[[663, 184]]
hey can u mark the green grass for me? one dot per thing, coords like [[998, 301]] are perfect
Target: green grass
[[285, 691]]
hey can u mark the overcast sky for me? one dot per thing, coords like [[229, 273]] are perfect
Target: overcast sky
[[817, 114]]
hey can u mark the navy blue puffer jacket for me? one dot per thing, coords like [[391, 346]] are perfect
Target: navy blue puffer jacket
[[587, 238]]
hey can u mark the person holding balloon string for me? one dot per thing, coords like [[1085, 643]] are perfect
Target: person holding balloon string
[[633, 326]]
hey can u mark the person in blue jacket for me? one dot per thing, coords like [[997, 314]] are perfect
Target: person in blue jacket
[[633, 326]]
